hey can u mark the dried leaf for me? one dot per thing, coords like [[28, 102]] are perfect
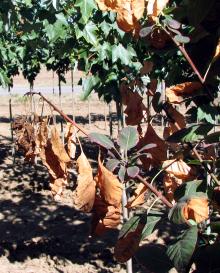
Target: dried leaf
[[135, 109], [41, 136], [152, 87], [159, 153], [179, 119], [217, 51], [70, 140], [84, 195], [179, 169], [126, 246], [138, 198], [57, 186], [176, 93], [138, 7], [196, 209], [154, 7], [104, 216], [147, 67], [107, 5], [58, 147], [56, 168], [128, 14], [25, 135], [110, 187], [170, 183]]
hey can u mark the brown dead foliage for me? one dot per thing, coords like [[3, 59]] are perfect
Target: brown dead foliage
[[154, 7], [177, 93], [196, 209], [171, 183], [107, 206], [84, 195], [41, 136], [70, 140], [179, 169], [25, 137], [138, 198], [126, 246], [158, 153], [135, 109], [58, 147]]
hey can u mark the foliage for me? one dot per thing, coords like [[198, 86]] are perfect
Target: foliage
[[125, 54]]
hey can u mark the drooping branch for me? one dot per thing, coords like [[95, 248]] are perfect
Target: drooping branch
[[140, 178]]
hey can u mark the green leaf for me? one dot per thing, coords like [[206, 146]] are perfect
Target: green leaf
[[128, 138], [121, 173], [148, 221], [112, 164], [133, 171], [89, 84], [86, 8], [181, 39], [192, 133], [190, 189], [119, 52], [102, 140], [175, 214], [207, 112], [182, 250], [90, 33]]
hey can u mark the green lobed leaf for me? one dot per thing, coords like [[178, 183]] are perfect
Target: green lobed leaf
[[128, 138], [121, 173], [175, 214], [90, 33], [102, 140], [89, 84], [86, 8], [181, 251]]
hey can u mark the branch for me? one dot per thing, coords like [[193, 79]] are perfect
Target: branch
[[142, 180]]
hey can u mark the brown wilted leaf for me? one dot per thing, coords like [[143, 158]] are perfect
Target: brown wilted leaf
[[57, 186], [158, 153], [179, 169], [138, 198], [41, 136], [25, 135], [126, 246], [170, 183], [147, 67], [128, 14], [56, 168], [110, 187], [70, 140], [104, 216], [135, 109], [177, 93], [196, 209], [138, 7], [154, 7], [217, 51], [108, 5], [58, 147], [84, 195], [178, 118]]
